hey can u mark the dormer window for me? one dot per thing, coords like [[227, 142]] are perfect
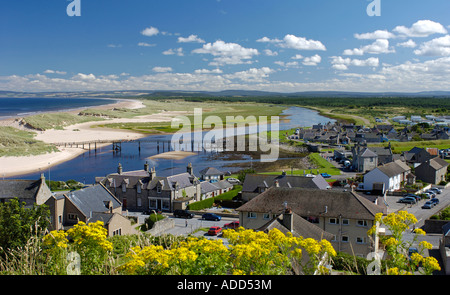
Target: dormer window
[[158, 189]]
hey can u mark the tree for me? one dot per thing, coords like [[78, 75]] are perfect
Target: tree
[[18, 223]]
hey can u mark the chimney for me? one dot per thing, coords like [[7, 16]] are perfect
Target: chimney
[[189, 169], [288, 220], [152, 173], [119, 169], [146, 167]]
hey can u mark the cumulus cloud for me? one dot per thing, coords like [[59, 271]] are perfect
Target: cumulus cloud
[[312, 60], [206, 71], [177, 51], [300, 43], [269, 52], [378, 34], [291, 64], [340, 63], [436, 47], [297, 56], [55, 72], [190, 39], [377, 47], [251, 75], [409, 44], [294, 42], [421, 28], [162, 69], [151, 31], [227, 53]]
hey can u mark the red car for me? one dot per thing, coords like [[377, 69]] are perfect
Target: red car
[[214, 230], [233, 225]]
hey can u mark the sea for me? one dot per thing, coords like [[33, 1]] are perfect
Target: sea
[[133, 155], [19, 107]]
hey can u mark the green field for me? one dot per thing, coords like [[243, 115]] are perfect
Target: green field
[[399, 147], [14, 142]]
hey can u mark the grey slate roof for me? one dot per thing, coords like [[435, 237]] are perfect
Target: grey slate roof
[[93, 199], [211, 171], [18, 188], [253, 181], [394, 168], [313, 202]]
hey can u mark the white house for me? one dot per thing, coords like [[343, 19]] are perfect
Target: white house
[[391, 174]]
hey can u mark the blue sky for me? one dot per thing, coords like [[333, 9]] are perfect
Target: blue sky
[[215, 45]]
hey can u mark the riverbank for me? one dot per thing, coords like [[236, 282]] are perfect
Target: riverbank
[[82, 132]]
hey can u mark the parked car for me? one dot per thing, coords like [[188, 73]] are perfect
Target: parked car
[[183, 213], [233, 180], [431, 192], [407, 200], [437, 190], [413, 196], [211, 216], [325, 175], [233, 225], [435, 200], [214, 230], [428, 205], [427, 195]]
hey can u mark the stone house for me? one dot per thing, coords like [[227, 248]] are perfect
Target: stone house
[[88, 205], [28, 191], [344, 214], [432, 171], [391, 175]]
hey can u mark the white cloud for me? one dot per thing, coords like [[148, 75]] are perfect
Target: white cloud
[[81, 76], [291, 64], [151, 31], [269, 52], [312, 60], [297, 56], [378, 34], [227, 53], [206, 71], [300, 43], [114, 45], [294, 42], [377, 47], [55, 72], [340, 63], [409, 44], [268, 40], [421, 28], [177, 51], [162, 69], [145, 44], [190, 39], [436, 47], [251, 75]]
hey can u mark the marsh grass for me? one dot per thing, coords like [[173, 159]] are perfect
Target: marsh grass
[[15, 142]]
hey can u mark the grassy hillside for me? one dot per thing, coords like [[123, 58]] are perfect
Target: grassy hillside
[[14, 142]]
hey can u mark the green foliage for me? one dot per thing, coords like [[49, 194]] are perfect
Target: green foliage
[[241, 175], [18, 224], [150, 221]]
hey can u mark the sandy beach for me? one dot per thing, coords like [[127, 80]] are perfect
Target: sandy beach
[[14, 166]]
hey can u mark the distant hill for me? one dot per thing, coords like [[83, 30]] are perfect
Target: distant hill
[[224, 93]]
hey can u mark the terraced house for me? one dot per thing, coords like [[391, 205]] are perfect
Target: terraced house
[[345, 215]]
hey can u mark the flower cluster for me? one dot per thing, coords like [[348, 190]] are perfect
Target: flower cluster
[[249, 252], [94, 233], [55, 239]]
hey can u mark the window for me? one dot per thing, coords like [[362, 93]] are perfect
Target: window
[[345, 222], [139, 189], [344, 238], [312, 219], [139, 202], [165, 204], [152, 203], [360, 240], [124, 188], [361, 223], [72, 216], [333, 221], [158, 189], [117, 232], [266, 216], [251, 214]]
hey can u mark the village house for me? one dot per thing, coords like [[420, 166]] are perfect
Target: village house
[[254, 184], [416, 156], [143, 190], [28, 191], [432, 171], [391, 176], [345, 215], [88, 205]]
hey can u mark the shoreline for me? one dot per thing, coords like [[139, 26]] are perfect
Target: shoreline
[[23, 165]]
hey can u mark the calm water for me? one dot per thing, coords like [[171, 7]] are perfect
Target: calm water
[[91, 164], [13, 107]]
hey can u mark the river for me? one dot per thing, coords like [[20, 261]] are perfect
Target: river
[[104, 161]]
